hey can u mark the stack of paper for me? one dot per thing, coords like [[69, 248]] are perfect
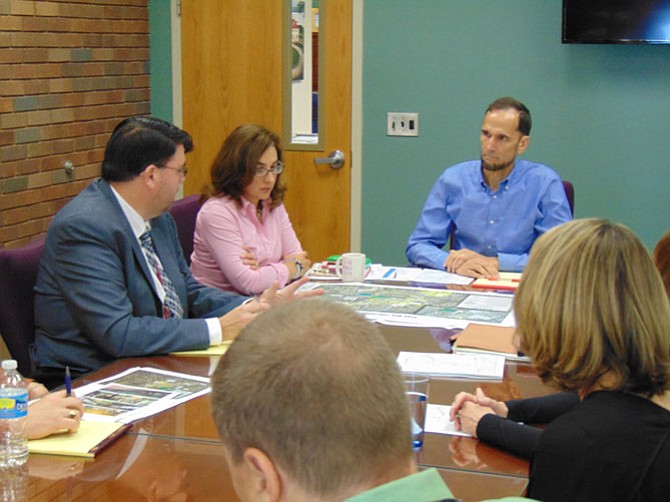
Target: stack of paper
[[471, 366]]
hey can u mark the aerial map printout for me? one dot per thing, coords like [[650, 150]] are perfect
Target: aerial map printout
[[421, 306]]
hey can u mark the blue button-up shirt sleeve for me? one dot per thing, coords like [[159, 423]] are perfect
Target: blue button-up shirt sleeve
[[503, 223], [552, 210], [424, 247]]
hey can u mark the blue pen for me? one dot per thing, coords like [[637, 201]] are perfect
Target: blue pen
[[68, 382]]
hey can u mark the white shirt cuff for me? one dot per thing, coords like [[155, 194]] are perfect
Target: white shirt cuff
[[214, 327]]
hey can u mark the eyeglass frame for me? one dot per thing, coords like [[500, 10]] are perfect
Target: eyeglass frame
[[262, 171], [181, 171]]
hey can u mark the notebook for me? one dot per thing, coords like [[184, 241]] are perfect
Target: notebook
[[91, 438], [487, 339]]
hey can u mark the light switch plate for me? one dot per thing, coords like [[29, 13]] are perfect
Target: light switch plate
[[402, 124]]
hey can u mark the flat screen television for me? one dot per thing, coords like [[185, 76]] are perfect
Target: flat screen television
[[616, 21]]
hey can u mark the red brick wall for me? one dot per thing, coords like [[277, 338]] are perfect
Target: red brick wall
[[69, 72]]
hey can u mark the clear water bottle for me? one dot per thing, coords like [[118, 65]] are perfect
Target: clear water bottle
[[13, 414], [14, 483]]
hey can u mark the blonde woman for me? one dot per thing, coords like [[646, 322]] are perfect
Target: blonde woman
[[593, 315]]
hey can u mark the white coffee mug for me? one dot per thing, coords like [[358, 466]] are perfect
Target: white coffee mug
[[351, 267]]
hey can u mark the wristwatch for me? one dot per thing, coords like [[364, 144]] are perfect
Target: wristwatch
[[300, 269]]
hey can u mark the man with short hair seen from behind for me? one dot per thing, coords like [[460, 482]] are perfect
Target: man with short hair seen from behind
[[310, 405]]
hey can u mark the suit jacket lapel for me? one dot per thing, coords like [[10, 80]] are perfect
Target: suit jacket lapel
[[134, 244]]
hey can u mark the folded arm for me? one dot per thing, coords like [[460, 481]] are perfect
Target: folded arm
[[243, 268], [519, 439]]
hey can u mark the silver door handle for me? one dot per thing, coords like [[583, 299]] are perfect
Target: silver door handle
[[335, 159]]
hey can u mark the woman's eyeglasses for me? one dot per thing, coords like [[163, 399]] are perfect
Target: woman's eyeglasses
[[275, 168]]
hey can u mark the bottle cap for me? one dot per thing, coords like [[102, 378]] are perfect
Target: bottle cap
[[9, 364]]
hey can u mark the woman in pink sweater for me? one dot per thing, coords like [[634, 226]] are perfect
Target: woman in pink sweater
[[244, 240]]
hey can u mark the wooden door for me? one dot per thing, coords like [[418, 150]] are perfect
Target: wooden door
[[232, 74]]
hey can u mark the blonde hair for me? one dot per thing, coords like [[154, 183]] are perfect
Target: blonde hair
[[591, 302], [315, 386]]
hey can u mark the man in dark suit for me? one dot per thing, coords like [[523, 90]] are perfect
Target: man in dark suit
[[113, 281]]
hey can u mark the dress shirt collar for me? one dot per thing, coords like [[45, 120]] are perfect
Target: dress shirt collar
[[510, 177], [250, 209], [135, 220]]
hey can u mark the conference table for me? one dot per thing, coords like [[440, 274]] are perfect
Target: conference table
[[176, 455]]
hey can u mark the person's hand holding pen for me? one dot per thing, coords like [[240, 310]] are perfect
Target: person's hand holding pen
[[468, 409], [53, 412]]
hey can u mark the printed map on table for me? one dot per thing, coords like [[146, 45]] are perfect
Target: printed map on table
[[413, 302]]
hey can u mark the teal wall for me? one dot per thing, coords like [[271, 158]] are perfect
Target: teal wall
[[160, 66], [600, 112]]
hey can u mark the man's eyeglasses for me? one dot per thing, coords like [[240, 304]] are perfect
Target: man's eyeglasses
[[276, 168], [181, 171]]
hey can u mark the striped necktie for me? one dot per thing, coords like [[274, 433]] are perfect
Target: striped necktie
[[171, 304]]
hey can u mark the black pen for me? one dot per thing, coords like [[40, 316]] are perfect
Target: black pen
[[68, 382]]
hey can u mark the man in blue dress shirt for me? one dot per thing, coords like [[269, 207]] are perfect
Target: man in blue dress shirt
[[497, 205]]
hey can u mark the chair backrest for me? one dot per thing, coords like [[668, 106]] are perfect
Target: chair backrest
[[18, 274], [184, 211], [570, 194]]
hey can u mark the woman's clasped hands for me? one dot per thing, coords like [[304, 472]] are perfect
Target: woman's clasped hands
[[468, 409]]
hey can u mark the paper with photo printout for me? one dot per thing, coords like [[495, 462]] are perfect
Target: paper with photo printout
[[438, 421], [417, 306], [138, 393]]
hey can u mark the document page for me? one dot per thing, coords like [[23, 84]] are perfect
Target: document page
[[415, 275], [471, 366], [438, 421], [138, 393]]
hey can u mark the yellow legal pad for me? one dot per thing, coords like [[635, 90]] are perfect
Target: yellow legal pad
[[91, 438], [215, 350]]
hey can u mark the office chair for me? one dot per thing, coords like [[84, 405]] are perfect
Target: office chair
[[662, 259], [18, 274], [570, 194], [184, 211]]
